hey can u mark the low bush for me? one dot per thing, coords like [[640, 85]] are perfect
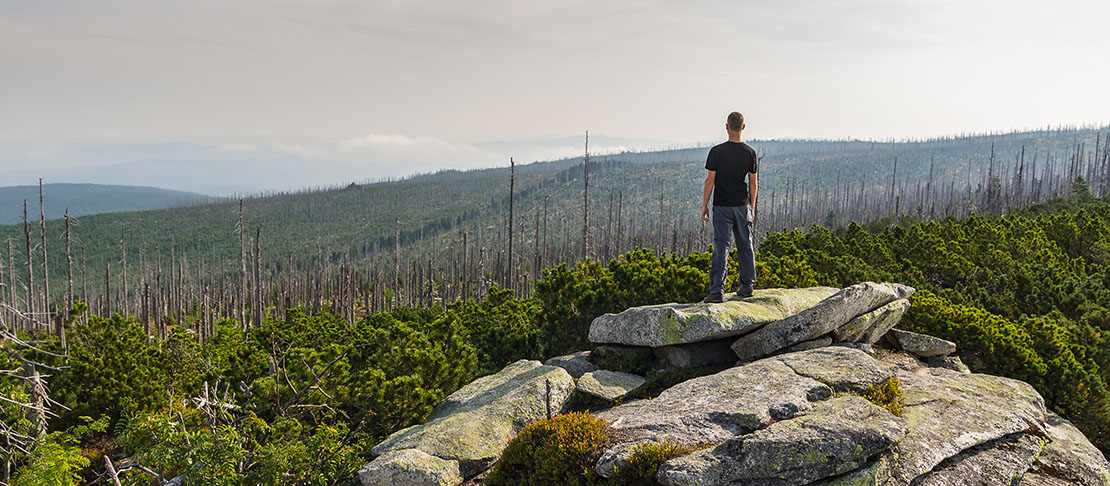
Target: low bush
[[645, 460], [557, 452]]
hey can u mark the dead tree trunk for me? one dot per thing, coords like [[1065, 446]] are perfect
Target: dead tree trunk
[[124, 294], [107, 309], [30, 271], [586, 201], [69, 265], [536, 248], [396, 262], [512, 188], [257, 299], [545, 255], [893, 176], [45, 267], [11, 274], [240, 309], [465, 269]]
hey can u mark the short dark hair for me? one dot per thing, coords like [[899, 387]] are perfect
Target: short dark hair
[[735, 121]]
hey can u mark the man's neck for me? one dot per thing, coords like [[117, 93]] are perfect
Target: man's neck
[[734, 138]]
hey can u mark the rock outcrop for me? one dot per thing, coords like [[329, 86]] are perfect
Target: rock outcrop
[[951, 413], [576, 364], [746, 329], [410, 467], [801, 399], [869, 327], [609, 385], [920, 345], [473, 425], [834, 437], [822, 318], [668, 324]]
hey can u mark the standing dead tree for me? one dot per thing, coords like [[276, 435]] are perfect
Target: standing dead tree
[[512, 189], [242, 269], [123, 263], [586, 200], [35, 405], [30, 272], [256, 299], [45, 266]]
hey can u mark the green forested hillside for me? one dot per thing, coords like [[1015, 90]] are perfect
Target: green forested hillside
[[83, 199], [301, 399], [453, 224]]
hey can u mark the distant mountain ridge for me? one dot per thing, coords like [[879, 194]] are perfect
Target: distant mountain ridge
[[636, 199], [86, 199]]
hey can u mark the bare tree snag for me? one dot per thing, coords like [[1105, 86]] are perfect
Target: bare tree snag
[[586, 200], [30, 272], [123, 255], [45, 267], [242, 270], [512, 189]]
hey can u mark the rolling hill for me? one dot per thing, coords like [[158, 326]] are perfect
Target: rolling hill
[[455, 224], [85, 199]]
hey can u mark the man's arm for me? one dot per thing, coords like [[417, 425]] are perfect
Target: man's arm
[[753, 187], [705, 192]]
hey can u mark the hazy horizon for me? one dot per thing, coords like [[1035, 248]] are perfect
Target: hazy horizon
[[390, 89]]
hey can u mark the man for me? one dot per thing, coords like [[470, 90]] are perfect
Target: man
[[733, 207]]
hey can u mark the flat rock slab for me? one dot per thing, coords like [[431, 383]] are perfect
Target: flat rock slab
[[950, 412], [576, 364], [874, 473], [474, 424], [869, 327], [998, 462], [609, 385], [842, 369], [953, 363], [835, 437], [670, 324], [921, 345], [410, 467], [822, 318], [1069, 458], [721, 406]]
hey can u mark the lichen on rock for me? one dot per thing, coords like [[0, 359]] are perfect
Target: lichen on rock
[[670, 324]]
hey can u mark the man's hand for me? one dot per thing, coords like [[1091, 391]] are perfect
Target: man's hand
[[705, 213]]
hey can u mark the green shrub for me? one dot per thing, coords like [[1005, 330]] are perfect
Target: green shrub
[[558, 451], [572, 298], [888, 395], [645, 460]]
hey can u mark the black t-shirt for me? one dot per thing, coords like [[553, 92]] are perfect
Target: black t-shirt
[[732, 161]]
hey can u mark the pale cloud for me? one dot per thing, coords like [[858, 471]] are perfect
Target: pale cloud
[[431, 80], [301, 150], [396, 144]]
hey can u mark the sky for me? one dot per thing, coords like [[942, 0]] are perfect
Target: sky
[[398, 86]]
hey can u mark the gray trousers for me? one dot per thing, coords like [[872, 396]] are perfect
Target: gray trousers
[[736, 220]]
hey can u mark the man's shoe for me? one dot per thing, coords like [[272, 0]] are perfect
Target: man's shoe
[[745, 291], [714, 299]]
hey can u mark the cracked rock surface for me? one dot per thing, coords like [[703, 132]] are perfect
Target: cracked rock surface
[[473, 425], [791, 412], [668, 324]]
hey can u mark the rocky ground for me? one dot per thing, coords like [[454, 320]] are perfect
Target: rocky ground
[[787, 406]]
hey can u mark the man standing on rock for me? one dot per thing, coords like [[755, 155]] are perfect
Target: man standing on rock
[[733, 207]]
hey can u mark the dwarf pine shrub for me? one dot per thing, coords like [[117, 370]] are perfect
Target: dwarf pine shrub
[[558, 451]]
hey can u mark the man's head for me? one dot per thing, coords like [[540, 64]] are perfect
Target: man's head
[[735, 122]]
